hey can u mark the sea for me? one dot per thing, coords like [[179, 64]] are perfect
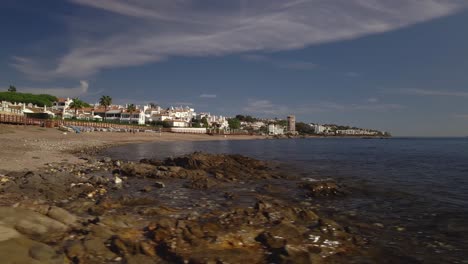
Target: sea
[[406, 196]]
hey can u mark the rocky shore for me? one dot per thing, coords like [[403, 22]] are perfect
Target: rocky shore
[[199, 208]]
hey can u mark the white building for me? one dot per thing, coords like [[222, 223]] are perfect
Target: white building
[[319, 129], [356, 132], [274, 129], [62, 103], [179, 123]]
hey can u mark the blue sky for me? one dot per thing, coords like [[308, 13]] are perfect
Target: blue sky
[[399, 66]]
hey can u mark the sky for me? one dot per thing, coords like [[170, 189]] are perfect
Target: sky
[[399, 66]]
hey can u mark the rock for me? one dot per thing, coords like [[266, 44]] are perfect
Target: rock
[[62, 215], [322, 188], [175, 169], [118, 182], [106, 160], [97, 247], [138, 170], [7, 233], [146, 189], [31, 224], [201, 184], [163, 168], [159, 185], [23, 250], [75, 251], [42, 252]]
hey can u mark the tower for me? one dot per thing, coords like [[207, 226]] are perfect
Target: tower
[[292, 124]]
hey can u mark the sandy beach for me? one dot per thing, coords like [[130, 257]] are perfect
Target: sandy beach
[[29, 148]]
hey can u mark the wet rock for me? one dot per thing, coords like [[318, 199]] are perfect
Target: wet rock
[[146, 189], [154, 162], [75, 251], [159, 184], [138, 169], [322, 188], [97, 248], [201, 184], [229, 167], [62, 215], [24, 250], [31, 224]]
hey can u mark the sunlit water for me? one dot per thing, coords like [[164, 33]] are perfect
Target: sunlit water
[[414, 191]]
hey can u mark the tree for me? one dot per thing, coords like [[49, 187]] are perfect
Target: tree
[[234, 123], [282, 123], [27, 98], [303, 128], [240, 117], [12, 89], [105, 101], [204, 121], [131, 108], [76, 104]]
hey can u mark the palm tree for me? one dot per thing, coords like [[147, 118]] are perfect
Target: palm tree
[[12, 89], [105, 101], [76, 104], [131, 108]]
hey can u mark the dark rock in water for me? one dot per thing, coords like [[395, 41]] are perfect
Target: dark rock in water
[[159, 185], [154, 162], [322, 188], [138, 169], [201, 184], [146, 189], [229, 195], [222, 166]]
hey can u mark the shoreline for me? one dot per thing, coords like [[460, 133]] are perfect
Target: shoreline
[[31, 148]]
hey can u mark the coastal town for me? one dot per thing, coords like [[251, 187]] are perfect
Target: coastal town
[[176, 119]]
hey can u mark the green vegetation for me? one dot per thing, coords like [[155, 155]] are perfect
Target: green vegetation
[[77, 104], [165, 124], [37, 99], [204, 122], [248, 118], [304, 129], [105, 101], [131, 108], [234, 123]]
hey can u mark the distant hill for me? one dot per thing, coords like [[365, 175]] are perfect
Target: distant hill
[[37, 99]]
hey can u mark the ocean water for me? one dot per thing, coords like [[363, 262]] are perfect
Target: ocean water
[[409, 196]]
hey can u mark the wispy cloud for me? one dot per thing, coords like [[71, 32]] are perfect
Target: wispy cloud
[[265, 107], [151, 31], [78, 91], [210, 96], [424, 92], [284, 64]]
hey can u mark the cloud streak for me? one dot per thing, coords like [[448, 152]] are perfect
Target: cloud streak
[[78, 91], [136, 32], [264, 107], [208, 96], [283, 64], [424, 92]]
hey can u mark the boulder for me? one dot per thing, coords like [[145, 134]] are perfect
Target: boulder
[[62, 216], [322, 188]]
